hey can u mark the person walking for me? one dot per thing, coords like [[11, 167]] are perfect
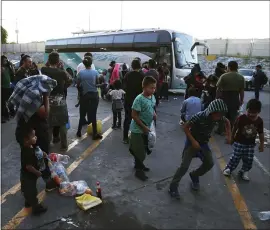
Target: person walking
[[23, 71], [132, 85], [260, 79], [88, 79], [230, 88], [58, 116]]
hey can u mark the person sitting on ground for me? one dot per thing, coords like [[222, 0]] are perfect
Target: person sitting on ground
[[31, 170], [244, 133], [191, 106], [117, 104], [143, 114], [198, 131]]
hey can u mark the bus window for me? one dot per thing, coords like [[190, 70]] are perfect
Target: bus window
[[146, 38], [182, 46]]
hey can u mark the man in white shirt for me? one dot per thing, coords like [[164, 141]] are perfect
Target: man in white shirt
[[81, 65]]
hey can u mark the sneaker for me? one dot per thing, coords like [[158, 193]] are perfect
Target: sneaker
[[195, 185], [39, 209], [173, 191], [64, 148], [77, 105], [140, 175], [50, 186], [114, 127], [227, 172], [245, 176], [126, 141], [145, 169], [97, 137]]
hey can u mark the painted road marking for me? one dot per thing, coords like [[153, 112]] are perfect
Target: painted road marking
[[239, 201], [16, 188], [261, 166], [21, 215]]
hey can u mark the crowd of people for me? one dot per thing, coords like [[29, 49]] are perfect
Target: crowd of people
[[39, 101]]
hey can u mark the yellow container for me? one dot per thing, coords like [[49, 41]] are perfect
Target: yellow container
[[90, 128]]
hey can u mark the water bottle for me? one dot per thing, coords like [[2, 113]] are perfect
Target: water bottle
[[63, 158], [264, 215]]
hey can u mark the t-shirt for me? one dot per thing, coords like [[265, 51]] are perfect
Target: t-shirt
[[28, 157], [247, 129], [59, 75], [145, 107], [191, 106], [133, 86], [5, 83], [230, 84], [117, 94], [152, 73], [88, 79], [201, 127], [81, 66]]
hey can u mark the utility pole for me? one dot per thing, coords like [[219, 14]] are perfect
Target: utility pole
[[121, 22], [89, 21], [17, 31]]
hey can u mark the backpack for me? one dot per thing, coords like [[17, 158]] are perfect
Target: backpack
[[264, 79]]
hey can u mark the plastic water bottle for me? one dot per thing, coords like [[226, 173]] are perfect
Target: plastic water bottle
[[264, 215], [63, 158]]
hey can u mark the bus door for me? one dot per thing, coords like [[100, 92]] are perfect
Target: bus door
[[165, 55]]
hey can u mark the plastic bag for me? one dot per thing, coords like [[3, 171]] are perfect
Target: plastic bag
[[81, 186], [58, 172], [87, 201], [152, 136], [55, 157], [67, 189], [68, 124], [90, 128]]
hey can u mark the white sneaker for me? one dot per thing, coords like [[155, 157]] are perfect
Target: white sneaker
[[227, 172], [245, 176]]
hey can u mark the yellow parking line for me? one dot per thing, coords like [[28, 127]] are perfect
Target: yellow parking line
[[21, 215], [239, 201], [16, 188]]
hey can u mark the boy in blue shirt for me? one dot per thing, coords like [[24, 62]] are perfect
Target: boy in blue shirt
[[143, 114], [191, 106]]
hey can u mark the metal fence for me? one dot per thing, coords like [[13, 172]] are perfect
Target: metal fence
[[223, 47]]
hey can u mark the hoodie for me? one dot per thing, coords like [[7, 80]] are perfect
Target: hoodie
[[202, 124]]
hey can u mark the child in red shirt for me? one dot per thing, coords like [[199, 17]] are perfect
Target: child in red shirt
[[244, 133]]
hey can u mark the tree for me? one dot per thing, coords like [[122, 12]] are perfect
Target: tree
[[4, 35]]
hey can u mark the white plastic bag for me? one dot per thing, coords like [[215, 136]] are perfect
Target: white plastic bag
[[80, 186], [152, 137], [67, 189]]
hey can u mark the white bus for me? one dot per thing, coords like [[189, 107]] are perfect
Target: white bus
[[177, 49]]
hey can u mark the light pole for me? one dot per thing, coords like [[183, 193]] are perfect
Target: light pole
[[17, 31], [121, 21]]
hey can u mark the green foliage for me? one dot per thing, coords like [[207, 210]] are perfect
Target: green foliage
[[4, 35]]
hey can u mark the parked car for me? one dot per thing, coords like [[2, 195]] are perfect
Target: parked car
[[248, 75]]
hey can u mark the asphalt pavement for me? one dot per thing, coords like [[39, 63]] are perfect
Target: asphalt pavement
[[222, 203]]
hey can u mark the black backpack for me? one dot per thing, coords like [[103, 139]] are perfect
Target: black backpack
[[264, 78]]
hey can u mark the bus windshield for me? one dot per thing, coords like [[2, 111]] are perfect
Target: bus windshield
[[182, 46]]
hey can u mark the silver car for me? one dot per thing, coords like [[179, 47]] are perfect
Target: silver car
[[248, 75]]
